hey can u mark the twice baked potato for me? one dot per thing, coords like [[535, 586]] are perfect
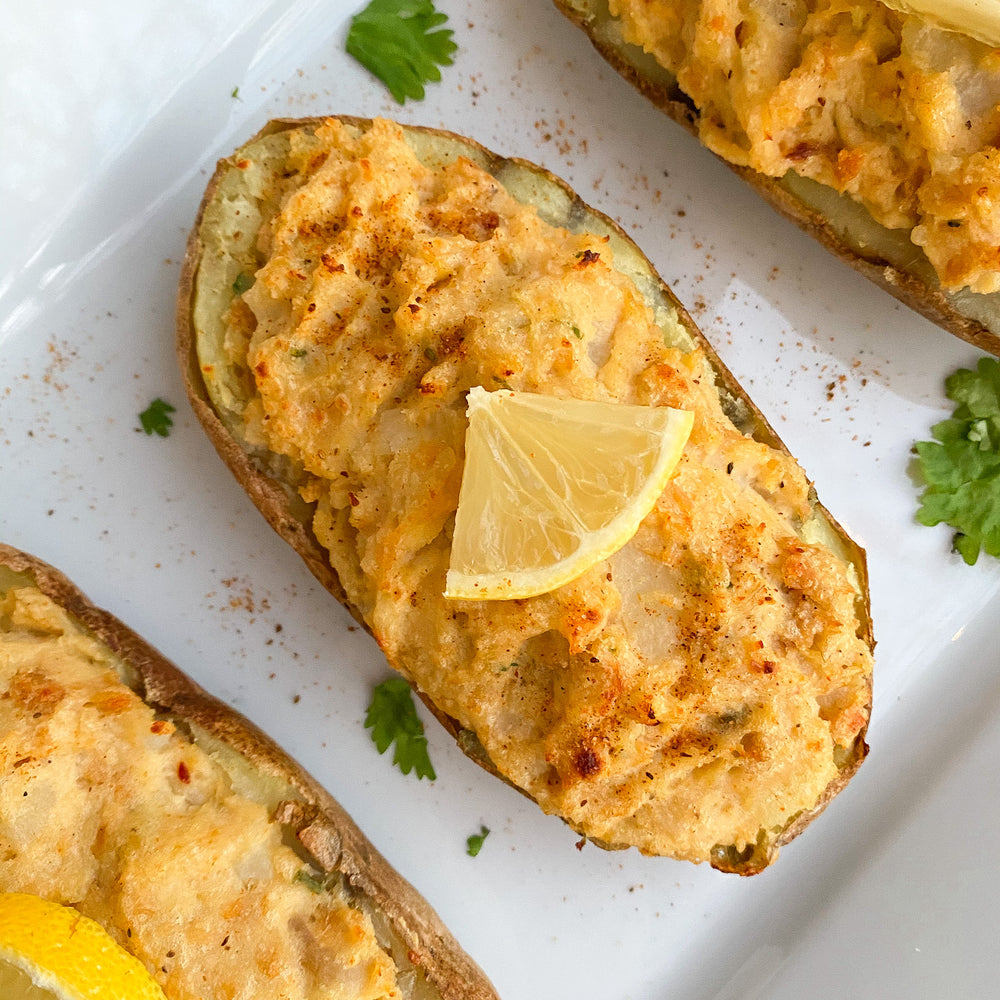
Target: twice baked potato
[[130, 793], [702, 693], [873, 129]]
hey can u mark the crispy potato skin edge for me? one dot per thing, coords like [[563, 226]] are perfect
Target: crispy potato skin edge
[[344, 848], [927, 301], [272, 499]]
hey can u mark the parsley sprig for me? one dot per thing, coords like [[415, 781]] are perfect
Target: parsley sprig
[[396, 40], [474, 842], [155, 419], [962, 466], [392, 718]]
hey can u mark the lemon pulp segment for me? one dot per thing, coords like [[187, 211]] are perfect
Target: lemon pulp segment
[[50, 950], [979, 19], [553, 486]]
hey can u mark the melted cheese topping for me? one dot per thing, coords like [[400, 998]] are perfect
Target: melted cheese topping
[[691, 691], [106, 807], [891, 109]]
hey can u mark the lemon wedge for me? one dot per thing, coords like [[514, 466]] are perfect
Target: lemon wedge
[[552, 486], [979, 19], [50, 951]]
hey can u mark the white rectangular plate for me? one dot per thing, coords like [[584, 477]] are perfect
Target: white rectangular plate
[[112, 114]]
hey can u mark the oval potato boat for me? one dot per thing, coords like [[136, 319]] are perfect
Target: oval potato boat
[[703, 693], [824, 206], [198, 843]]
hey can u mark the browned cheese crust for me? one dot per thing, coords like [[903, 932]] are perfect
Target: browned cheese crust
[[420, 957], [816, 180], [334, 391]]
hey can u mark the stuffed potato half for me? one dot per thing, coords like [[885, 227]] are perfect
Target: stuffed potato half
[[196, 841], [702, 694], [872, 129]]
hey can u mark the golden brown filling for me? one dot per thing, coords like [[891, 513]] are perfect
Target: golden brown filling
[[899, 114], [107, 807], [688, 692]]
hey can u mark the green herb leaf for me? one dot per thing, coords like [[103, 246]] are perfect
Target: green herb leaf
[[312, 882], [392, 718], [243, 283], [474, 844], [155, 419], [962, 465], [395, 41]]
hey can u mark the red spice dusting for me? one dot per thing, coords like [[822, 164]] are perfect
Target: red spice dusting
[[587, 763]]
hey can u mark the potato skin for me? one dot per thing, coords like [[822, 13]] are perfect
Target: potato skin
[[285, 512], [318, 821], [921, 294]]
